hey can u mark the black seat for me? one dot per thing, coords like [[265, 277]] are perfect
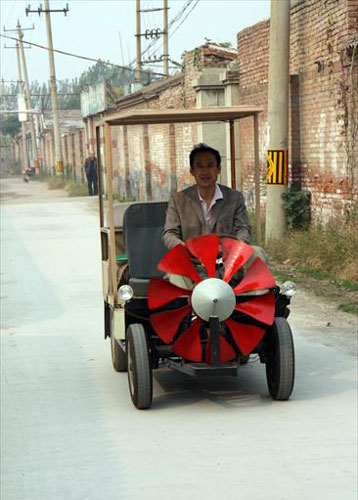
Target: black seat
[[143, 226]]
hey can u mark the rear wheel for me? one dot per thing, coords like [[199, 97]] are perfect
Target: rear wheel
[[139, 367], [280, 364]]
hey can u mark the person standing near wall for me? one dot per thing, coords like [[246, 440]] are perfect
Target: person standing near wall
[[91, 174]]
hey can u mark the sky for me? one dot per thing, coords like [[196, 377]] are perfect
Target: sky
[[105, 29]]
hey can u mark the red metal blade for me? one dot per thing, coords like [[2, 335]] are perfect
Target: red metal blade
[[261, 308], [205, 248], [166, 323], [188, 345], [257, 277], [227, 353], [235, 255], [177, 261], [161, 292], [246, 337]]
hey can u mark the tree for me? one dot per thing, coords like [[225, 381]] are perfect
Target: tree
[[9, 125]]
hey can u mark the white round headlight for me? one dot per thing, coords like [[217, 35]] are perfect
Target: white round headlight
[[125, 292], [289, 288]]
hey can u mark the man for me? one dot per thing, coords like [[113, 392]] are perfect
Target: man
[[206, 207], [91, 174]]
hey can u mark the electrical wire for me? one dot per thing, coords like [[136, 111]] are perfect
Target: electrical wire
[[190, 11], [177, 27], [125, 68]]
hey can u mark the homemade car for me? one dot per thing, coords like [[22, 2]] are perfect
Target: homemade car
[[229, 308]]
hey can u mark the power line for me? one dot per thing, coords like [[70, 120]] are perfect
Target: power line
[[125, 68], [190, 11], [187, 15]]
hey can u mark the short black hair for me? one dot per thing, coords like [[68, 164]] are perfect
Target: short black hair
[[200, 148]]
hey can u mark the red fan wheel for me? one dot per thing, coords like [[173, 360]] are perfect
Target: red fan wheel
[[237, 316]]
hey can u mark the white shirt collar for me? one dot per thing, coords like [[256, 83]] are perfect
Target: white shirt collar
[[218, 195]]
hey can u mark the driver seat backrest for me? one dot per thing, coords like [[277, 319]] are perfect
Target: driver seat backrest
[[143, 227]]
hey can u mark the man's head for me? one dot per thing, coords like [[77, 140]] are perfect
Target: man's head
[[91, 153], [205, 165]]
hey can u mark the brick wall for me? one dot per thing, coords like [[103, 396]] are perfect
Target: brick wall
[[323, 147], [150, 161]]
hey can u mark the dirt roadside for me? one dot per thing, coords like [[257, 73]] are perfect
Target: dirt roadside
[[314, 307]]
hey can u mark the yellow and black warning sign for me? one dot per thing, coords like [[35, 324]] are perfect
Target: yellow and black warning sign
[[277, 166]]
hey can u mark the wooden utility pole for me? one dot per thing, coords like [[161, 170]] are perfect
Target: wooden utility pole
[[138, 76], [53, 84], [278, 90]]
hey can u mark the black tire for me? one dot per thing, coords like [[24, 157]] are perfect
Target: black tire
[[140, 378], [280, 364]]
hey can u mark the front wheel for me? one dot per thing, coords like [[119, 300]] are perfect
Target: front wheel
[[280, 364], [140, 378]]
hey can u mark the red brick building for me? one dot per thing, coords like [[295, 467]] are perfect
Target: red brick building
[[323, 99]]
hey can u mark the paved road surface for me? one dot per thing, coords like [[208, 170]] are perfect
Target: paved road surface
[[69, 430]]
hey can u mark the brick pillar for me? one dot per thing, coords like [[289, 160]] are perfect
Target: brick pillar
[[210, 93], [230, 79]]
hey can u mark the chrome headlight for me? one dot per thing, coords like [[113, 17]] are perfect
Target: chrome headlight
[[289, 288], [125, 292]]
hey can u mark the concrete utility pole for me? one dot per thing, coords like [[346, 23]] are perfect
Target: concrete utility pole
[[278, 90], [28, 98], [156, 33], [25, 92], [165, 39], [138, 76], [23, 126], [53, 84]]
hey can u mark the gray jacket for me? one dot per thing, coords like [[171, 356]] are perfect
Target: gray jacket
[[185, 217]]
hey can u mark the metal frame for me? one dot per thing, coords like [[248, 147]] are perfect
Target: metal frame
[[143, 117]]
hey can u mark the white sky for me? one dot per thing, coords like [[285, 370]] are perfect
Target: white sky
[[92, 28]]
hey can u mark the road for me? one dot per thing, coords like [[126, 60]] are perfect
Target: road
[[69, 430]]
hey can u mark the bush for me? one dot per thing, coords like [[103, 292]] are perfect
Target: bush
[[42, 176], [75, 189], [56, 183], [297, 204], [330, 249]]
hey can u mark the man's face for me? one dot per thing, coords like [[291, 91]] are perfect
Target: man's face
[[205, 170]]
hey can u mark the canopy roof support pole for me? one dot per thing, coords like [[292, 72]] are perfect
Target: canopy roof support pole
[[112, 242], [100, 176], [257, 180], [232, 154]]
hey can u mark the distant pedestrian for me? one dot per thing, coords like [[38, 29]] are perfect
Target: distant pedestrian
[[91, 174]]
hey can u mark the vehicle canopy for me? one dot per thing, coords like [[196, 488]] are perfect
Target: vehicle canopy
[[155, 116]]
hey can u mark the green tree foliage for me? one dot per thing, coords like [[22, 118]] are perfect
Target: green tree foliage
[[117, 77], [69, 90], [9, 125]]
